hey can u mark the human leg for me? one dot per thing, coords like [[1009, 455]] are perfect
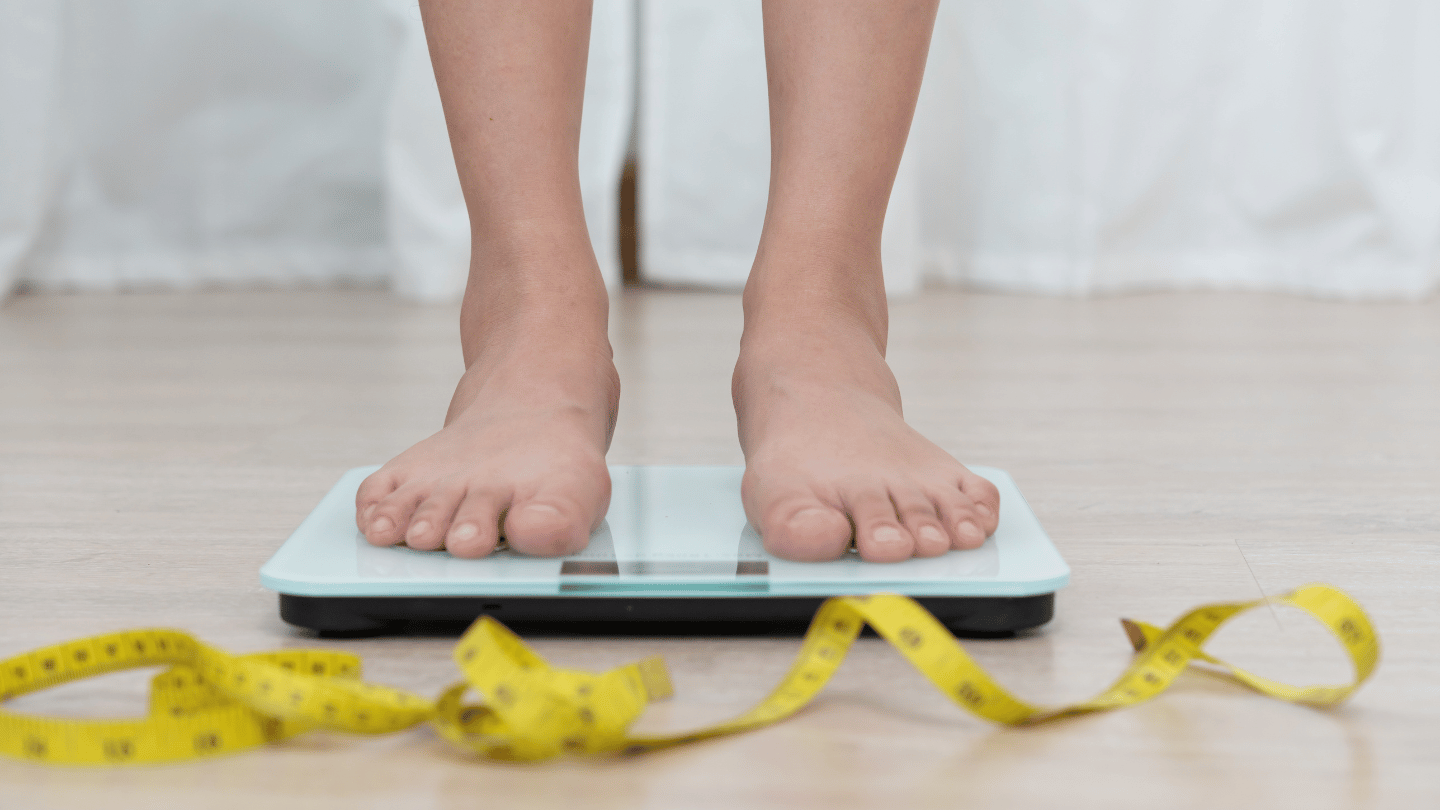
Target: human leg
[[828, 454], [522, 452]]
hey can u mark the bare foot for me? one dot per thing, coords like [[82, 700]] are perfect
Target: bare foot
[[522, 453], [829, 458]]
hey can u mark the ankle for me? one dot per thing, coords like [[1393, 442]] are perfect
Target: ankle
[[819, 285], [547, 295], [538, 361], [810, 313], [553, 330]]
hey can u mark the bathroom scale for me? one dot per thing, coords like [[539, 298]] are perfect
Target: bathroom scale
[[675, 548]]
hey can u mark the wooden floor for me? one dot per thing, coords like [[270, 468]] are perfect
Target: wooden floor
[[156, 449]]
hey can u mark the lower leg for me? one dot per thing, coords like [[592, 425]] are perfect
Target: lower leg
[[843, 81], [829, 457], [512, 80], [522, 451]]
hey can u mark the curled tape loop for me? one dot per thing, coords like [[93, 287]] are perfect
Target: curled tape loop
[[210, 702]]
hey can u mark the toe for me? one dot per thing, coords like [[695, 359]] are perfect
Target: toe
[[391, 516], [918, 515], [961, 519], [372, 490], [794, 521], [805, 530], [546, 528], [431, 520], [986, 498], [556, 518], [879, 535], [475, 529]]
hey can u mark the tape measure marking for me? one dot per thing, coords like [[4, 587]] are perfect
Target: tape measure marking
[[210, 702]]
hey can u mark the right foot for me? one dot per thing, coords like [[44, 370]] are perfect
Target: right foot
[[522, 453]]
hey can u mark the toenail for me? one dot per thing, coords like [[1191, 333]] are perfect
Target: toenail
[[887, 536], [418, 528], [984, 510], [807, 517], [971, 531], [542, 508], [382, 524], [932, 535], [369, 510], [464, 531]]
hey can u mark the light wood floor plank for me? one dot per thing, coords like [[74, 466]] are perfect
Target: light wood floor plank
[[156, 449]]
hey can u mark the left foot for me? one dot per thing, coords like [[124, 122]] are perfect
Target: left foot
[[829, 459]]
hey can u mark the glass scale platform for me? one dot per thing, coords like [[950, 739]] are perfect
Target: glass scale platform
[[675, 549]]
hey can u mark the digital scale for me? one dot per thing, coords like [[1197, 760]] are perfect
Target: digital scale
[[674, 548]]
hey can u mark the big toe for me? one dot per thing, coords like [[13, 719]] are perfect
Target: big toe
[[805, 530], [547, 529]]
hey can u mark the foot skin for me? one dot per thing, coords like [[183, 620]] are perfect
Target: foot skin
[[829, 458], [521, 456]]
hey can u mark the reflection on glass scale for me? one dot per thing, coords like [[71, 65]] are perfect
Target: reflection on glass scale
[[683, 528]]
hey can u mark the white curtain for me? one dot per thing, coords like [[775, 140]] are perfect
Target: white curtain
[[29, 80], [174, 144], [1060, 146], [196, 143], [1068, 146]]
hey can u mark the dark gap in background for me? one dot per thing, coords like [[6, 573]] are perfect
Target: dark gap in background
[[629, 211], [629, 228]]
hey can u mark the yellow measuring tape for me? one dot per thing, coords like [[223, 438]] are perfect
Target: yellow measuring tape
[[210, 702]]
